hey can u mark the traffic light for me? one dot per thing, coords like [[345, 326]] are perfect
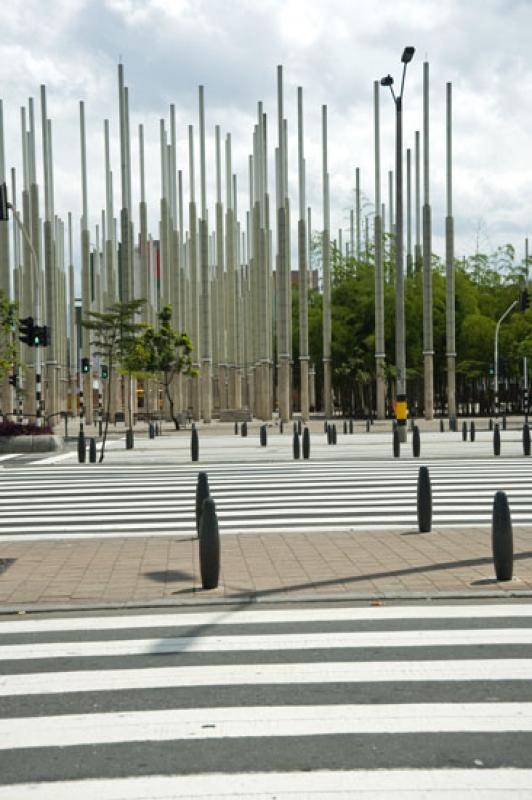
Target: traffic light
[[524, 300], [492, 371], [4, 214], [27, 331], [85, 365], [13, 380], [41, 336], [104, 371]]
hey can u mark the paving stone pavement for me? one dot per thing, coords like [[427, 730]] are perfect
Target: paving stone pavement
[[280, 566]]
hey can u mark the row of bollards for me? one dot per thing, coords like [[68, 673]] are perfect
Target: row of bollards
[[305, 444], [501, 525], [82, 449], [208, 534]]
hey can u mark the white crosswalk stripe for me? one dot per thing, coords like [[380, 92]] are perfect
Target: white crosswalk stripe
[[402, 701], [95, 500]]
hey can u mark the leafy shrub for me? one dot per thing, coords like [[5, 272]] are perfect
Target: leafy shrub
[[10, 428]]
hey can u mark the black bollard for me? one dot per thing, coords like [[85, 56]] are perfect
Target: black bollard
[[281, 427], [194, 444], [424, 501], [325, 426], [299, 427], [472, 431], [502, 543], [351, 426], [294, 426], [526, 440], [306, 443], [504, 422], [345, 426], [329, 434], [263, 436], [490, 426], [295, 445], [416, 442], [244, 429], [81, 448], [151, 430], [464, 431], [236, 428], [92, 450], [129, 439], [396, 444], [209, 545], [202, 492], [442, 427], [334, 434], [157, 429], [367, 426], [496, 441]]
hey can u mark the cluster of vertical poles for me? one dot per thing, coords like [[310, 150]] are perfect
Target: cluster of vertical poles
[[217, 274]]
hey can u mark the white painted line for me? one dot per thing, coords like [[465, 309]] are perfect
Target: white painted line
[[71, 730], [260, 674], [401, 784], [8, 456], [267, 642], [55, 459], [276, 616]]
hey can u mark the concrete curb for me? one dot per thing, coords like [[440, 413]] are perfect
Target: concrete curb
[[31, 444], [280, 599]]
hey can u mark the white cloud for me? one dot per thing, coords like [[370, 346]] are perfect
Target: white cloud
[[334, 50]]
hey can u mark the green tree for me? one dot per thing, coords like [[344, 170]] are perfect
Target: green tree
[[167, 354], [8, 319], [113, 333]]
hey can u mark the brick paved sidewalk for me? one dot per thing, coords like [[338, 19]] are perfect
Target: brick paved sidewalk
[[291, 565]]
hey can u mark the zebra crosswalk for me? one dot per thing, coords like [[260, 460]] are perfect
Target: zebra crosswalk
[[335, 701], [67, 502]]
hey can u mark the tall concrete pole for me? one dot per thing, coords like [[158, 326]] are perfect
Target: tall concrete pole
[[124, 266], [449, 266], [5, 269], [193, 271], [6, 401], [418, 254], [357, 213], [220, 336], [409, 259], [428, 347], [230, 259], [86, 404], [204, 300], [327, 332], [302, 266], [50, 287], [380, 354], [72, 338], [283, 346], [400, 345]]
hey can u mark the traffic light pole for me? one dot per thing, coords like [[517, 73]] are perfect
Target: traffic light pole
[[525, 387], [38, 389], [496, 358]]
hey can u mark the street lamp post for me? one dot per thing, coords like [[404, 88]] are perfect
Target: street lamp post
[[400, 355]]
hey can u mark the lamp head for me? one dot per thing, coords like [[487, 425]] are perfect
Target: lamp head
[[387, 81], [408, 54]]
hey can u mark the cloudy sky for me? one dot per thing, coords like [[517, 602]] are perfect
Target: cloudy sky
[[334, 50]]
